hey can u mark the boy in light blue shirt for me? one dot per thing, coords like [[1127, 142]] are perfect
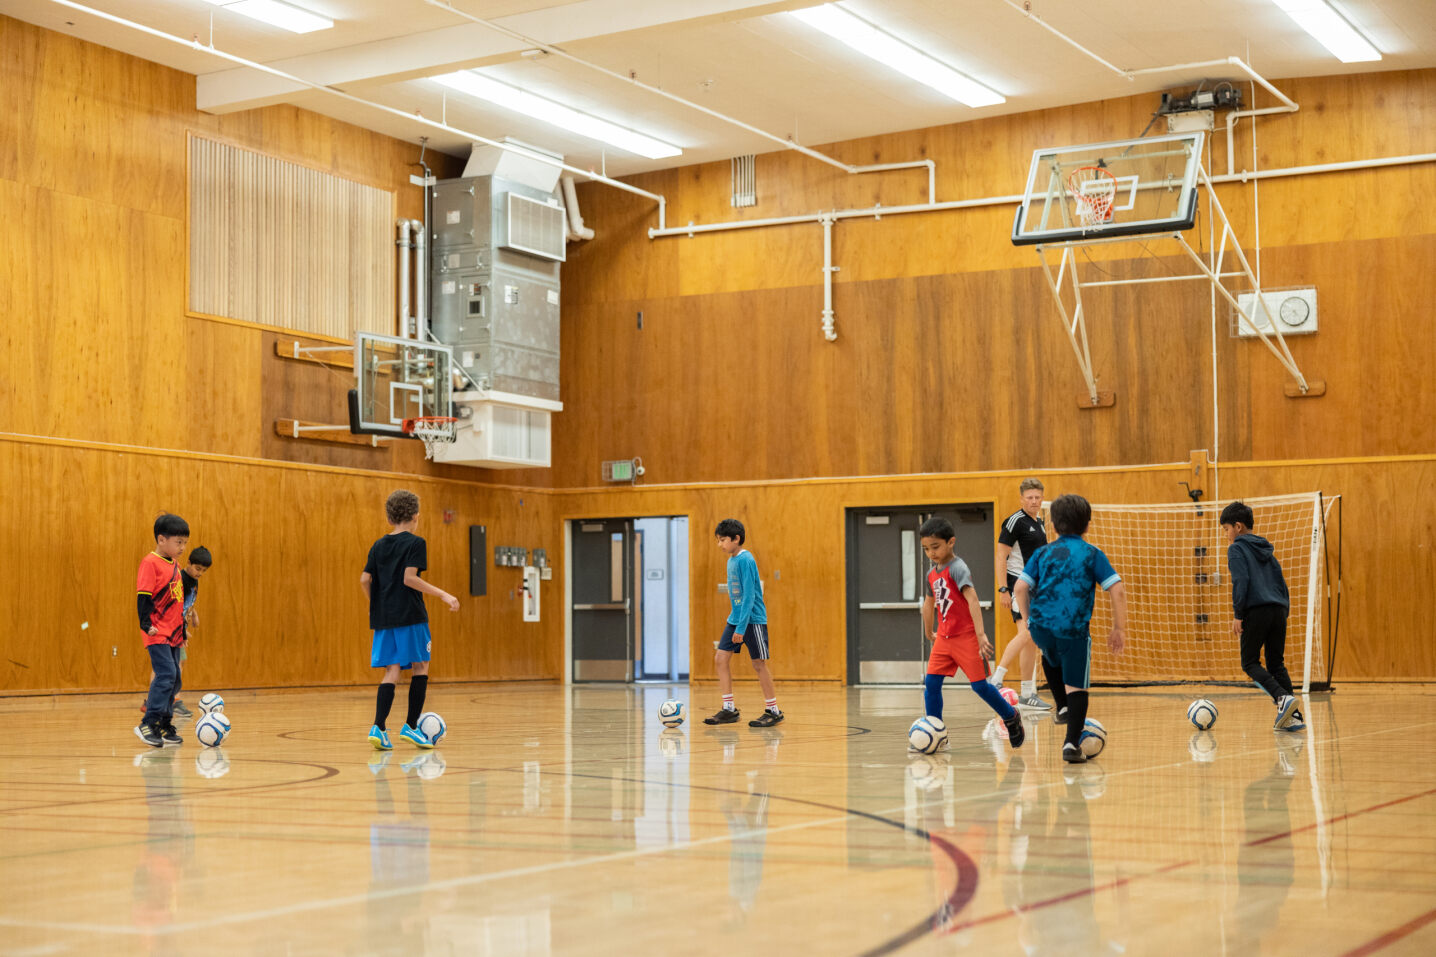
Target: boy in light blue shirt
[[747, 625]]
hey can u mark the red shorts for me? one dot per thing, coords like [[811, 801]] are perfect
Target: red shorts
[[950, 654]]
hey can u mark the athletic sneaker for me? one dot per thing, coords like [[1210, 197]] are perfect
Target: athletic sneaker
[[1073, 754], [724, 716], [380, 739], [1061, 716], [1032, 702], [149, 735], [181, 710], [1016, 734], [415, 737], [169, 737], [767, 719], [1287, 715]]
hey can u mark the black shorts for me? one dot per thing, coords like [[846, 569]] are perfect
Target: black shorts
[[1012, 583], [755, 639]]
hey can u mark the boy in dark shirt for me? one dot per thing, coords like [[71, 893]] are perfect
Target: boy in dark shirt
[[1260, 605], [395, 591]]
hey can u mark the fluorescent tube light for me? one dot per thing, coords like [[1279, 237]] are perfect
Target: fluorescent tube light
[[1330, 29], [896, 55], [555, 114], [277, 14]]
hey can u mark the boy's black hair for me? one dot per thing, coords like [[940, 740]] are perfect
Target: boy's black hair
[[1237, 512], [1071, 514], [401, 506], [201, 557], [170, 526], [731, 528], [937, 527]]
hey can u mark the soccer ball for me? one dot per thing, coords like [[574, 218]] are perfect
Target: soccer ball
[[432, 726], [1009, 696], [1094, 738], [927, 734], [212, 729], [1202, 714], [672, 712], [211, 702]]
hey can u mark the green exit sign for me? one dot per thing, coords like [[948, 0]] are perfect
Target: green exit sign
[[618, 470]]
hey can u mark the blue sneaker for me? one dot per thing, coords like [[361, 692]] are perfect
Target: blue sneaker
[[380, 739], [416, 737]]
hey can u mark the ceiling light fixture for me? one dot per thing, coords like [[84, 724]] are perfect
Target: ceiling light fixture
[[277, 14], [893, 53], [556, 114], [1330, 29]]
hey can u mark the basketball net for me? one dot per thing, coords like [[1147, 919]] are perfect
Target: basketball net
[[1093, 190], [433, 431]]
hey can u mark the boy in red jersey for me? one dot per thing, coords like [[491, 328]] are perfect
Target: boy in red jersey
[[959, 639], [161, 608]]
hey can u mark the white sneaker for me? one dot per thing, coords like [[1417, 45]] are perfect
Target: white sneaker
[[1288, 718]]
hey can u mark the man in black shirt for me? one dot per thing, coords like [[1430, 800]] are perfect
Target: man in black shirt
[[1023, 533]]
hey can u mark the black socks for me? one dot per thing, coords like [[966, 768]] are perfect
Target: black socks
[[1076, 716], [1055, 684], [418, 687], [385, 702]]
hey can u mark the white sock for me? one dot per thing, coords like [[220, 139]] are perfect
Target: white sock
[[728, 703], [998, 674], [771, 704], [1029, 687]]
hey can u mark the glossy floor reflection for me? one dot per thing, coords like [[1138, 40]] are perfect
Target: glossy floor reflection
[[568, 821]]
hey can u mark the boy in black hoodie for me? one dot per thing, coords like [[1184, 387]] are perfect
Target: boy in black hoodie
[[1260, 604]]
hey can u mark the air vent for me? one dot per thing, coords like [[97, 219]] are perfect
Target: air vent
[[536, 228]]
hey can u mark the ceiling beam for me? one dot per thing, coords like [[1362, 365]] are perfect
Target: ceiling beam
[[460, 47]]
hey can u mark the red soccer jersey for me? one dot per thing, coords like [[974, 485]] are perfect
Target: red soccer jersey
[[160, 579], [946, 584]]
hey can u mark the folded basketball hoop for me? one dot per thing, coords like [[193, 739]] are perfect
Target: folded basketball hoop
[[1093, 189], [432, 430]]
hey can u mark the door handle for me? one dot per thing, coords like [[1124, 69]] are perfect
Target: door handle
[[605, 606]]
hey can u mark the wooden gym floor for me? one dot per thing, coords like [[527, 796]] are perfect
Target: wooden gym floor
[[556, 821]]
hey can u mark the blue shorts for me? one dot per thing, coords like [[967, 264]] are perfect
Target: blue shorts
[[755, 639], [400, 646], [1072, 651]]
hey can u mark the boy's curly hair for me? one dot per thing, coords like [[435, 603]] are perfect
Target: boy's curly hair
[[401, 506]]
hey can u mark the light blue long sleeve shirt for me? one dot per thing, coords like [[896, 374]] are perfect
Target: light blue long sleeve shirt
[[745, 591]]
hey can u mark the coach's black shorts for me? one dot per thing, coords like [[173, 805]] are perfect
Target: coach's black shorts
[[755, 639], [1011, 584]]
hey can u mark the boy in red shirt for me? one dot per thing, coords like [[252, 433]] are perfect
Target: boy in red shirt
[[959, 640], [161, 608]]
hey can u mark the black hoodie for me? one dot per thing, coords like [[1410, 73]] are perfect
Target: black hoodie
[[1256, 575]]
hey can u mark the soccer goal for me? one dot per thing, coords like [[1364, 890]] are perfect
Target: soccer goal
[[1173, 559]]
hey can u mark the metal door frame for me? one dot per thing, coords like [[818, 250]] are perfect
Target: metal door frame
[[570, 608]]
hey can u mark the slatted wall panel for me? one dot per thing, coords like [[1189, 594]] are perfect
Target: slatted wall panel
[[284, 245]]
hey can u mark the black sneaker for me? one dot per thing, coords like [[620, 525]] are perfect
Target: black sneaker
[[169, 737], [181, 710], [1060, 716], [766, 720], [724, 716], [1073, 754], [149, 735], [1016, 733]]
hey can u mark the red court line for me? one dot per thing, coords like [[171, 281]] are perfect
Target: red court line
[[1392, 936], [1342, 817]]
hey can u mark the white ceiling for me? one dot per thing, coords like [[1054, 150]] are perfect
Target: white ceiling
[[739, 57]]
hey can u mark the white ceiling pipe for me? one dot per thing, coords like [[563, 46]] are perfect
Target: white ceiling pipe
[[878, 212], [404, 244], [782, 141], [1065, 38], [332, 91], [421, 279], [576, 227]]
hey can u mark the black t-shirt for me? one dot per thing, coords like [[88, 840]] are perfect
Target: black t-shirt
[[393, 604], [1025, 534]]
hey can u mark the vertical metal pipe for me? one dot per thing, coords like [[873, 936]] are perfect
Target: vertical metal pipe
[[421, 281], [403, 245], [829, 332]]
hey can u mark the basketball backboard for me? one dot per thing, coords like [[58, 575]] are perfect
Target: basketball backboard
[[1124, 188], [398, 379]]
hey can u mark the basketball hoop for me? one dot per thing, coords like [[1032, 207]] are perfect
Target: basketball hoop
[[432, 430], [1093, 190]]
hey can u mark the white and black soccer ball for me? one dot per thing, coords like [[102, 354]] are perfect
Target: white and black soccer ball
[[211, 730], [927, 734], [211, 702], [672, 713], [432, 726], [1202, 714], [1093, 739]]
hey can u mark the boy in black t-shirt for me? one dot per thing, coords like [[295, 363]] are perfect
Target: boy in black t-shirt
[[395, 591]]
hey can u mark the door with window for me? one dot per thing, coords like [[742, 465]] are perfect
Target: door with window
[[603, 607], [887, 579]]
